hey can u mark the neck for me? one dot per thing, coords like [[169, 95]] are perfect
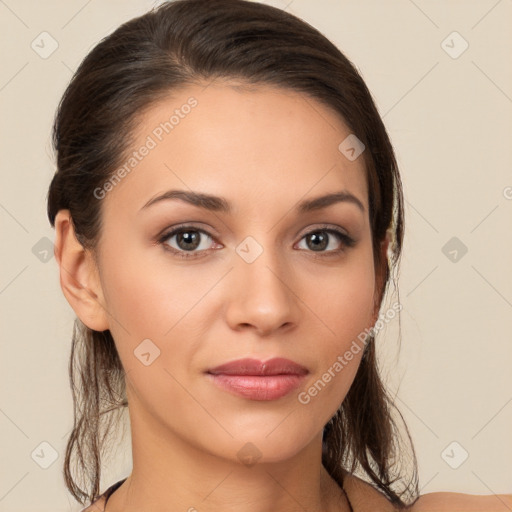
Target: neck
[[170, 474]]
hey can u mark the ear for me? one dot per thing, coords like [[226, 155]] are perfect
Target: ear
[[79, 277], [380, 275]]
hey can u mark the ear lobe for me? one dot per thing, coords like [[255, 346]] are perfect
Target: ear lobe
[[79, 278]]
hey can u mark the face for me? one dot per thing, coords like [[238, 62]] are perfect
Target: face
[[251, 274]]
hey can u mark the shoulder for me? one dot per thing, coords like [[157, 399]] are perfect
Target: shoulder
[[97, 505], [364, 497], [456, 502]]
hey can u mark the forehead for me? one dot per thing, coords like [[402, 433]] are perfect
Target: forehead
[[259, 143]]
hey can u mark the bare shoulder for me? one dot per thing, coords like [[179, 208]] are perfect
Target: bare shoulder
[[364, 497], [97, 506], [457, 502]]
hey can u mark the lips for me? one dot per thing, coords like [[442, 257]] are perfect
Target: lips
[[257, 380], [275, 366]]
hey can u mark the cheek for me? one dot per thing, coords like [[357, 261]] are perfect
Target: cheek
[[147, 295], [151, 298], [344, 306], [344, 300]]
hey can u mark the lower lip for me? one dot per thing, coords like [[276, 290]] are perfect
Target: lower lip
[[253, 387]]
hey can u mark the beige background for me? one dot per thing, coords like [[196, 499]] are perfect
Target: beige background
[[450, 120]]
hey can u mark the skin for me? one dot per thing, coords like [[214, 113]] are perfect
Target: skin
[[263, 150]]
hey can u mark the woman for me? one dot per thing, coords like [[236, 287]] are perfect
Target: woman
[[226, 203]]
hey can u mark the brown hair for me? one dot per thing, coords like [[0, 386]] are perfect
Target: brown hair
[[191, 42]]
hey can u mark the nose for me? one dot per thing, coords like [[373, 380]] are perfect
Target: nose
[[262, 295]]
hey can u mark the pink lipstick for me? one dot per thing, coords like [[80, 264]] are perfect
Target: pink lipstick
[[258, 380]]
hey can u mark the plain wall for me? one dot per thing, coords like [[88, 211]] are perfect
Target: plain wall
[[449, 117]]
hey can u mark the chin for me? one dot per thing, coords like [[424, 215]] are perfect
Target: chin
[[274, 448]]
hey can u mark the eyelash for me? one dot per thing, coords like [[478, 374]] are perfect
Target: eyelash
[[346, 241]]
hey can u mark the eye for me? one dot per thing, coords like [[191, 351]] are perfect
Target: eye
[[193, 242], [188, 241], [328, 240]]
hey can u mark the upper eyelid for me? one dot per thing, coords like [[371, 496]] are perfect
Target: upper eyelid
[[184, 226]]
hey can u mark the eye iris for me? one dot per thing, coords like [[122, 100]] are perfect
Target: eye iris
[[319, 241], [190, 239]]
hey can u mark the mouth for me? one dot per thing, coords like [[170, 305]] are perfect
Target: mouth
[[257, 380]]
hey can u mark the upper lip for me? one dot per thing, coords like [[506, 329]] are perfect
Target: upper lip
[[275, 366]]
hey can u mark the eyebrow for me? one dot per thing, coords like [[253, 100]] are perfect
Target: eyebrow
[[219, 204]]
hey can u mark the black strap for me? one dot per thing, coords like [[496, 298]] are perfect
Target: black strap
[[346, 496], [112, 489]]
